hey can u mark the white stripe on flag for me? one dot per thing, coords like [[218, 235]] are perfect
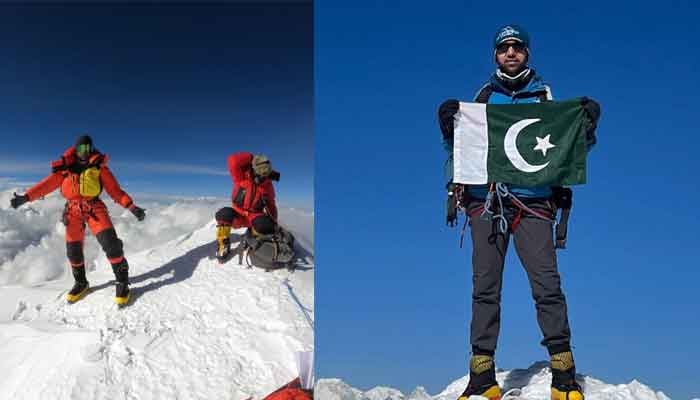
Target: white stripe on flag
[[471, 144]]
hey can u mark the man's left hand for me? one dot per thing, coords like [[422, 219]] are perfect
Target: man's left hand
[[138, 212], [592, 109]]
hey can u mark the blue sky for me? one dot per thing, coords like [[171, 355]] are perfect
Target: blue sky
[[393, 288], [168, 91]]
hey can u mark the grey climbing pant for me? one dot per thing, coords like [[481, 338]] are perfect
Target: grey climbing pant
[[534, 244]]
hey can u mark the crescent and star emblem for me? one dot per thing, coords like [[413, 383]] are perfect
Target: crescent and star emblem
[[514, 155]]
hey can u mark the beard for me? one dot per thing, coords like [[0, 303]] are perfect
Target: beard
[[514, 69]]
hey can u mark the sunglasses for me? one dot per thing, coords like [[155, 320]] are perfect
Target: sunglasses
[[83, 149], [517, 46]]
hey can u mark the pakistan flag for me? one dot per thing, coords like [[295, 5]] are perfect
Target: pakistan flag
[[534, 144]]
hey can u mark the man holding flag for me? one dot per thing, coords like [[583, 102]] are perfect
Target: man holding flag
[[510, 159]]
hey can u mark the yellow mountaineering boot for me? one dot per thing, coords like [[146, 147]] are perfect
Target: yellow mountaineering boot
[[564, 385], [123, 294], [223, 242], [121, 273], [81, 286], [482, 379], [574, 393], [491, 392]]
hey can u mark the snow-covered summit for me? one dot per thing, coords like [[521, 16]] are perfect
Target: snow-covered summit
[[195, 329], [533, 382]]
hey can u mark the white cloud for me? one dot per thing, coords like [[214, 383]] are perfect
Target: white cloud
[[16, 167], [170, 168], [32, 244], [10, 166], [8, 182]]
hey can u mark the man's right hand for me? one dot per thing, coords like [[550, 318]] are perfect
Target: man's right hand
[[446, 114], [18, 200]]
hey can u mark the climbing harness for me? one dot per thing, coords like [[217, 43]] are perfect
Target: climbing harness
[[500, 190], [494, 209]]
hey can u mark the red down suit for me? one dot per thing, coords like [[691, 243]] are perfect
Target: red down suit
[[81, 184], [251, 196]]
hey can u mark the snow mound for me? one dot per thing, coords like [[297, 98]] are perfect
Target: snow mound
[[534, 383], [195, 329], [383, 393], [336, 389]]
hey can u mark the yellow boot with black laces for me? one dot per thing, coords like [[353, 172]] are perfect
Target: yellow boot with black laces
[[223, 249], [564, 385], [482, 379], [81, 286], [122, 294]]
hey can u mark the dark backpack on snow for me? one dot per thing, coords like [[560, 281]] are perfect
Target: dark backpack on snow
[[269, 251]]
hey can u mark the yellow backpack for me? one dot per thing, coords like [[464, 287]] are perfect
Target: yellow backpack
[[90, 182], [90, 185]]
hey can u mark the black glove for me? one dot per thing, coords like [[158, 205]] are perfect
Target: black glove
[[592, 109], [18, 200], [138, 212], [446, 117], [274, 176]]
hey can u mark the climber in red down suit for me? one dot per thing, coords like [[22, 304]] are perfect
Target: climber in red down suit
[[82, 173], [253, 200]]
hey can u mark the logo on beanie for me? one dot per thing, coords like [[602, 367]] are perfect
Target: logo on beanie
[[507, 32]]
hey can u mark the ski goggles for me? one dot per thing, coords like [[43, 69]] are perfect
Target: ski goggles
[[83, 149], [517, 47]]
